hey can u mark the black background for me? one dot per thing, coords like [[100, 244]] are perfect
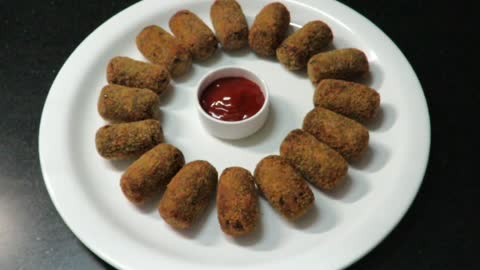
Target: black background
[[439, 231]]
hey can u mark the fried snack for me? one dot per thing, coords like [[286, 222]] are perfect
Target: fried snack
[[283, 187], [237, 202], [160, 47], [151, 173], [295, 51], [124, 104], [353, 100], [230, 24], [319, 164], [128, 140], [269, 29], [132, 73], [343, 64], [188, 194], [194, 34], [343, 134]]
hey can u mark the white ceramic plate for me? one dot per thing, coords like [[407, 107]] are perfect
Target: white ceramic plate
[[342, 227]]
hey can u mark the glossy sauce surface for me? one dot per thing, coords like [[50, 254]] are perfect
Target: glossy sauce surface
[[232, 99]]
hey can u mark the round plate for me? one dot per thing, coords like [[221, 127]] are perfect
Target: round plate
[[343, 226]]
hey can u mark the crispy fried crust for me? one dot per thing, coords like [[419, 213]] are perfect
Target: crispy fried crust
[[319, 164], [353, 100], [124, 104], [194, 34], [269, 29], [230, 24], [283, 187], [128, 140], [151, 173], [188, 194], [237, 202], [160, 47], [295, 51], [132, 73], [343, 134], [344, 64]]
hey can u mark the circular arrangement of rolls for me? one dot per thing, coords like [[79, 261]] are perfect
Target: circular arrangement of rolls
[[332, 133]]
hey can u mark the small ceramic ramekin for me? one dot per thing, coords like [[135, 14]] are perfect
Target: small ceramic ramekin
[[232, 130]]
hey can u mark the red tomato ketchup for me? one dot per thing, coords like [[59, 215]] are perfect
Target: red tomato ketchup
[[232, 99]]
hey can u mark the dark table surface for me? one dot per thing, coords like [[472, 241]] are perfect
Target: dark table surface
[[438, 232]]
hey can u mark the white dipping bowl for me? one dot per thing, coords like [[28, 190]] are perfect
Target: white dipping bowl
[[232, 130]]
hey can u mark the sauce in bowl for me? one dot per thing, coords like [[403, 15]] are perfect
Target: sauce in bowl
[[232, 99]]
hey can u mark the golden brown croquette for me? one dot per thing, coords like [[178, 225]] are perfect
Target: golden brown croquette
[[188, 194], [283, 187], [230, 24], [237, 202], [343, 134], [124, 104], [319, 164], [160, 47], [132, 73], [344, 64], [151, 173], [353, 100], [269, 29], [296, 50], [128, 140], [194, 34]]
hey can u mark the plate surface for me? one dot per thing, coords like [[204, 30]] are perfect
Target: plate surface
[[343, 226]]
